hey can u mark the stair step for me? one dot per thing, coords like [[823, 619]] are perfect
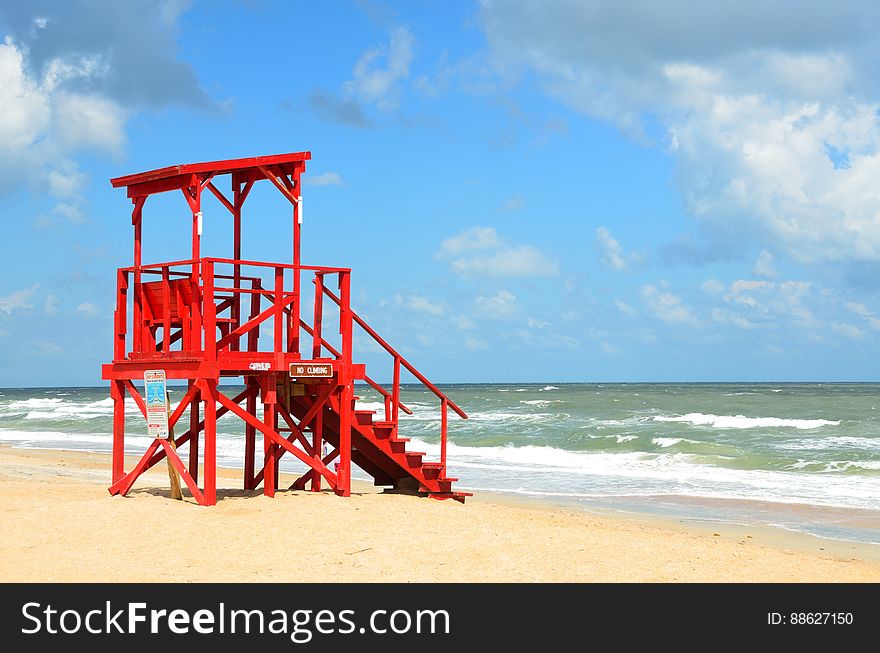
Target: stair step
[[433, 465], [383, 424], [398, 439], [364, 417], [458, 496]]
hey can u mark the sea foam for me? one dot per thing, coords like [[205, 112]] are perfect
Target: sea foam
[[743, 422]]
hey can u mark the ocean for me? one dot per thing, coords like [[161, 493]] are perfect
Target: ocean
[[798, 456]]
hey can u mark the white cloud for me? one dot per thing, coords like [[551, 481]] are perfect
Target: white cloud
[[469, 240], [17, 300], [667, 306], [623, 307], [69, 212], [376, 84], [463, 322], [612, 252], [712, 287], [532, 323], [480, 251], [764, 265], [722, 316], [23, 104], [775, 131], [43, 126], [51, 305], [500, 306], [419, 304], [89, 121], [323, 179], [475, 344], [849, 330], [87, 308], [862, 311], [512, 204]]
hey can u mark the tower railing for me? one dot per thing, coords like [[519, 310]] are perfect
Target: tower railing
[[192, 309]]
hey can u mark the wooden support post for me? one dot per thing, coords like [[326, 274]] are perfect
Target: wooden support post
[[278, 322], [209, 311], [117, 393], [172, 472], [346, 399], [270, 418], [318, 315], [137, 333], [209, 394], [293, 338], [318, 441], [194, 430], [250, 436], [237, 202]]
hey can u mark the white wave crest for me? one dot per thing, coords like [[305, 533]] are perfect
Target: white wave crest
[[548, 387], [743, 422]]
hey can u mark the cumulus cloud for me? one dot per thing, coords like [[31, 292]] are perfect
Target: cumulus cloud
[[18, 299], [770, 111], [323, 179], [764, 265], [512, 204], [87, 308], [667, 306], [71, 74], [481, 251], [500, 306], [377, 73], [419, 304], [610, 249]]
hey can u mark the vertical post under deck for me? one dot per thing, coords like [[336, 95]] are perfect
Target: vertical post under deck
[[117, 393], [317, 445], [270, 417], [346, 398], [250, 436], [194, 434], [210, 397]]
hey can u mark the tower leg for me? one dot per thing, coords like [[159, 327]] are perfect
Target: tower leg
[[117, 393], [269, 450], [250, 437], [210, 398], [343, 473], [194, 434], [317, 445]]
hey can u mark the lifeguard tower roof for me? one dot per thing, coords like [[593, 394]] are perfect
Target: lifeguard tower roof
[[151, 181]]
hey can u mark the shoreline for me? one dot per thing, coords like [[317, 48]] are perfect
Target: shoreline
[[63, 526]]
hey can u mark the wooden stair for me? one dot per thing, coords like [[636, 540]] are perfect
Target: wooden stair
[[380, 452]]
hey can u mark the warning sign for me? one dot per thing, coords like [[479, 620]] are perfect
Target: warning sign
[[311, 370], [157, 406]]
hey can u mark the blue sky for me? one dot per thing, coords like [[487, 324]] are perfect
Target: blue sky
[[526, 191]]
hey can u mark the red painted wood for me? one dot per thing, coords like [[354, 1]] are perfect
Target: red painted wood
[[192, 306]]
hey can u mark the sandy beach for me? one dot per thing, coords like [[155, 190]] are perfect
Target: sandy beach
[[60, 524]]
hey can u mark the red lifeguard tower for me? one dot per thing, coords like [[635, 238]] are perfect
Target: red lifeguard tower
[[206, 319]]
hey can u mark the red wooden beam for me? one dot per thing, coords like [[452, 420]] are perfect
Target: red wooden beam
[[220, 196], [136, 396], [198, 495], [123, 485], [277, 438]]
